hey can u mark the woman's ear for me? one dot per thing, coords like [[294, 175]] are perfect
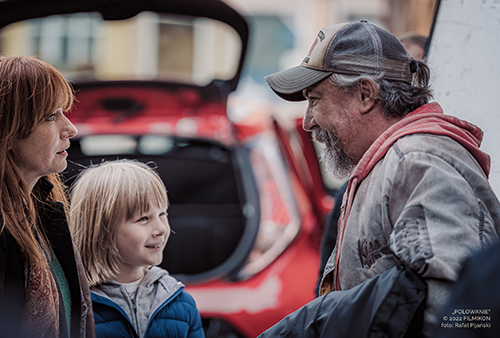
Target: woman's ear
[[367, 94]]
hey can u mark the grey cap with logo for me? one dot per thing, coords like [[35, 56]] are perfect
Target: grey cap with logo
[[354, 48]]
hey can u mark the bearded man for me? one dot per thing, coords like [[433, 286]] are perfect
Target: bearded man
[[418, 194]]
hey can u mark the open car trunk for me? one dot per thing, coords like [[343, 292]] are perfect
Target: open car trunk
[[151, 82]]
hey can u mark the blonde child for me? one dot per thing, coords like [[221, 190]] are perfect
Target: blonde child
[[118, 219]]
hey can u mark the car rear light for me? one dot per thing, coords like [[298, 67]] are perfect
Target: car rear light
[[280, 221]]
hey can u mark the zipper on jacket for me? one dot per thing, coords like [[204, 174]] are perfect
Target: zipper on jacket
[[110, 303], [135, 307]]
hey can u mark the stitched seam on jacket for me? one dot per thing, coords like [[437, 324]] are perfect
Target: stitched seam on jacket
[[437, 157]]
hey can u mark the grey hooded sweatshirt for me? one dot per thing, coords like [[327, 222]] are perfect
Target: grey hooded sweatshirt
[[155, 288]]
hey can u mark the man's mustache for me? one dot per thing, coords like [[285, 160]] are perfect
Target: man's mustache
[[325, 136]]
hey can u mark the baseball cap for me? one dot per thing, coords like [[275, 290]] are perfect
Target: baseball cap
[[352, 48]]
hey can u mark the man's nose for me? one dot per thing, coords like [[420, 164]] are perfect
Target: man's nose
[[308, 122]]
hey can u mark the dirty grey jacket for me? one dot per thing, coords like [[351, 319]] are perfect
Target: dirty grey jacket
[[419, 198]]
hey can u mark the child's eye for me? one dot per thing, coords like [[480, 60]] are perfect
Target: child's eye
[[163, 214], [142, 219], [51, 117]]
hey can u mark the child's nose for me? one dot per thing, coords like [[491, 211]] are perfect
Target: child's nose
[[160, 228]]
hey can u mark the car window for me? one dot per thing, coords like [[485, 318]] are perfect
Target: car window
[[147, 46]]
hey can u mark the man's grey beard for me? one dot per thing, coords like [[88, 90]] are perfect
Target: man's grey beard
[[338, 164]]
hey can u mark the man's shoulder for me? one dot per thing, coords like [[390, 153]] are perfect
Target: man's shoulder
[[425, 142], [431, 145]]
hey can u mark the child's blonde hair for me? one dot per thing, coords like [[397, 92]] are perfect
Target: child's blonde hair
[[105, 195]]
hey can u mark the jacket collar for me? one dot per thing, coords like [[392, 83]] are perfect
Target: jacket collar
[[429, 119], [43, 188]]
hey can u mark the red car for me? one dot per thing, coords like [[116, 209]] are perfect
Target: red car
[[152, 80]]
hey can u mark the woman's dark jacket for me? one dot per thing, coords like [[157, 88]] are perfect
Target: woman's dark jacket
[[12, 282]]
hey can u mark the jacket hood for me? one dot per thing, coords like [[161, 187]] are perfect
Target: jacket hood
[[153, 274], [429, 119]]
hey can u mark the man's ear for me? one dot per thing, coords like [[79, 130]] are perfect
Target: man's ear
[[367, 94]]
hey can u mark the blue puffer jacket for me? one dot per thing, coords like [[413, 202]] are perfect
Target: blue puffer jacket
[[161, 308]]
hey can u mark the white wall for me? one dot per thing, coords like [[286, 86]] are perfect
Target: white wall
[[465, 69]]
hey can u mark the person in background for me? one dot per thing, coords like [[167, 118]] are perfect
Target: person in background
[[43, 289], [414, 43], [418, 198], [119, 223]]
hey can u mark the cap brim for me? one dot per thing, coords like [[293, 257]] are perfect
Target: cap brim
[[290, 83]]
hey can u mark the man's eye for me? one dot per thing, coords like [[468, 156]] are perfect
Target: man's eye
[[312, 99]]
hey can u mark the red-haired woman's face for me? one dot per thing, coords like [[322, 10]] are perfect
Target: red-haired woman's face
[[43, 152]]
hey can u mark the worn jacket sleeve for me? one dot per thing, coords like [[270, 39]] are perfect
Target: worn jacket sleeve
[[438, 208], [438, 218], [387, 305]]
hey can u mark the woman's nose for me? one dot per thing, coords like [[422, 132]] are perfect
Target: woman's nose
[[69, 129]]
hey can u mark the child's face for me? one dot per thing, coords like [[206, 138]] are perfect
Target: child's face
[[140, 242]]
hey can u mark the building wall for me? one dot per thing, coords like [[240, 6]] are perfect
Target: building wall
[[411, 15], [285, 46], [397, 16]]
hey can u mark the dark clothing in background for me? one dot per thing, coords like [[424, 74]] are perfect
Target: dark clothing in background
[[474, 306], [390, 304]]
